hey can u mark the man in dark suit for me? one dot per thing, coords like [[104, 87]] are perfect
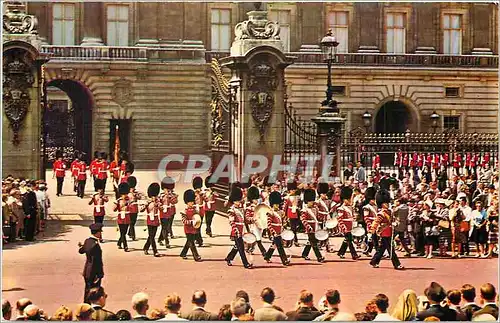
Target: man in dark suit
[[198, 313], [306, 310], [93, 271], [30, 207], [454, 296], [436, 294], [488, 298], [97, 298], [469, 297]]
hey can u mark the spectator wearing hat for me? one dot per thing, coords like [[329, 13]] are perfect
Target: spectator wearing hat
[[199, 313], [305, 308], [268, 312], [436, 294], [488, 300], [93, 271]]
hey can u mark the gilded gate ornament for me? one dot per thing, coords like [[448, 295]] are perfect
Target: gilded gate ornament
[[219, 103], [17, 80], [262, 83]]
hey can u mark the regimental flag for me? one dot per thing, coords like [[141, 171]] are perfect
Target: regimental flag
[[117, 145]]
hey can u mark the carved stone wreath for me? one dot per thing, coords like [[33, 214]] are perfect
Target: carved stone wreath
[[17, 81], [250, 30], [122, 92], [16, 21]]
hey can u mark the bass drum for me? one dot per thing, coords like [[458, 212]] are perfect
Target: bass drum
[[358, 232], [321, 235], [331, 223]]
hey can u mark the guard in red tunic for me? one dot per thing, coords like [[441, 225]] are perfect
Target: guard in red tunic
[[209, 204], [74, 173], [475, 163], [188, 219], [292, 208], [59, 171], [485, 160], [383, 227], [152, 219], [414, 161], [101, 168], [80, 176], [98, 200], [93, 169], [236, 215], [420, 161], [428, 161], [346, 218], [324, 205], [166, 215], [123, 219], [309, 218], [252, 202], [133, 197], [376, 162], [406, 162], [274, 227], [199, 198], [435, 162], [445, 160], [369, 215], [468, 162], [457, 163]]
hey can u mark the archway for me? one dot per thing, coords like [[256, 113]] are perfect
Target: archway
[[67, 123], [394, 117]]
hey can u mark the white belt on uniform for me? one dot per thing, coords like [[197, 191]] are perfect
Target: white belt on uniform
[[98, 208]]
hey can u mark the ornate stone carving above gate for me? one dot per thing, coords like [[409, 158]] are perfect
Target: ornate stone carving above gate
[[17, 80], [262, 84], [16, 21], [122, 92]]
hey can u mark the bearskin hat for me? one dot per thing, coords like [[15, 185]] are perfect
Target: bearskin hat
[[309, 195], [123, 155], [123, 188], [236, 194], [208, 182], [345, 193], [291, 185], [370, 193], [59, 154], [96, 154], [101, 155], [197, 182], [275, 198], [167, 183], [382, 197], [132, 181], [189, 196], [153, 189], [100, 185], [129, 168], [252, 193], [322, 188]]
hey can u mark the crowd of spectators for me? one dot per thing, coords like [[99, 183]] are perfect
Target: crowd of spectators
[[436, 304]]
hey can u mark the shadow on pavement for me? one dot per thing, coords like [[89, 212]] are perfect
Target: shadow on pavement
[[52, 233]]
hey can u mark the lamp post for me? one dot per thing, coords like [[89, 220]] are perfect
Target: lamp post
[[434, 118], [329, 47], [367, 120]]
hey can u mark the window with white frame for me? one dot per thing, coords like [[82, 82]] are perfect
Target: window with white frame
[[396, 33], [452, 34], [63, 24], [221, 30], [283, 18], [338, 23], [117, 25]]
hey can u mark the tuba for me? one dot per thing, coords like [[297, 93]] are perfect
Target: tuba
[[260, 215]]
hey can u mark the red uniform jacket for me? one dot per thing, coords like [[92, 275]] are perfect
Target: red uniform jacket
[[383, 219], [209, 200], [324, 207], [152, 218], [236, 220], [428, 161], [164, 205], [369, 214], [308, 218], [200, 197], [405, 160], [98, 202], [345, 218], [133, 198], [290, 211], [445, 158], [122, 207], [398, 159], [187, 220], [457, 160], [81, 169], [475, 160], [414, 160], [468, 159], [172, 201], [250, 213], [93, 167], [274, 224], [376, 162], [59, 168], [102, 169], [486, 160], [420, 162], [74, 168], [435, 160], [115, 169]]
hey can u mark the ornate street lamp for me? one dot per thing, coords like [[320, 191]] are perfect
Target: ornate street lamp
[[329, 47], [434, 118], [367, 120]]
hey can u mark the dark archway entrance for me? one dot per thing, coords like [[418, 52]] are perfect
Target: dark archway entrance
[[67, 120], [393, 117]]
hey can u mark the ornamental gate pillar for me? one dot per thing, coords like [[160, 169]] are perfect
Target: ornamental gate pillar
[[22, 93], [257, 64]]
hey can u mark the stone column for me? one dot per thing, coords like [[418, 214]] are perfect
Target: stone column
[[148, 24], [92, 22]]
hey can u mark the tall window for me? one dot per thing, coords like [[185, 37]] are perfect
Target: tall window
[[337, 22], [221, 30], [396, 33], [63, 24], [452, 34], [283, 18], [117, 25], [452, 122]]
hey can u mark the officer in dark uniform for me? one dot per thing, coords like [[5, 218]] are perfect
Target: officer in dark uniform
[[93, 271]]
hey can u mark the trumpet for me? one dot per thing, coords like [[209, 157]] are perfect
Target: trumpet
[[260, 215]]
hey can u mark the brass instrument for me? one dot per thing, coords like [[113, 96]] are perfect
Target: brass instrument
[[196, 220], [260, 215]]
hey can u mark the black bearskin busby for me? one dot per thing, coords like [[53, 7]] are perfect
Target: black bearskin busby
[[275, 198], [99, 185], [197, 183], [189, 196], [345, 193], [129, 168], [96, 154], [132, 181], [309, 195], [167, 183], [123, 189], [236, 194], [382, 197], [208, 182], [322, 188], [153, 189], [123, 155], [59, 154], [253, 193], [370, 193], [102, 155], [291, 185]]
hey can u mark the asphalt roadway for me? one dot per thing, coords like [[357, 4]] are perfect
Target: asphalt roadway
[[49, 270]]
